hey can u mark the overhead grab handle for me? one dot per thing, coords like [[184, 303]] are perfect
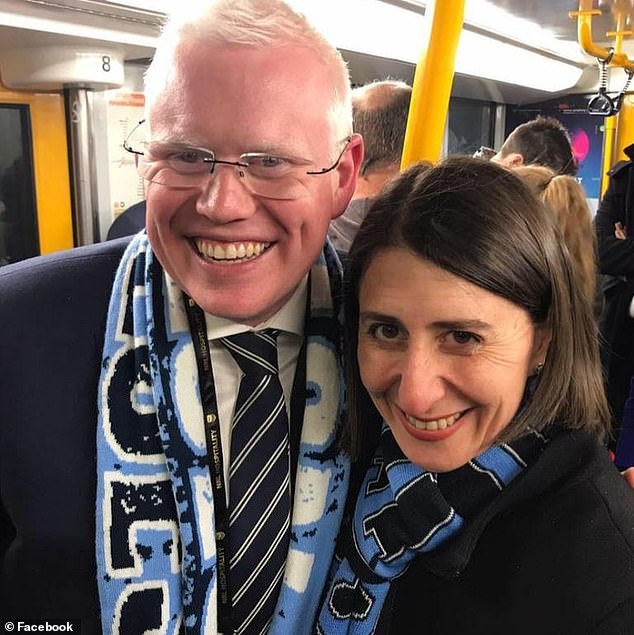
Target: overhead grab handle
[[602, 104], [584, 34]]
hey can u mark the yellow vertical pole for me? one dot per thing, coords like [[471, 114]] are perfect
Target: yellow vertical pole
[[609, 133], [432, 82]]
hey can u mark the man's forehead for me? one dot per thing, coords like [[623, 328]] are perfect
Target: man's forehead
[[285, 52], [292, 76], [273, 139], [279, 123]]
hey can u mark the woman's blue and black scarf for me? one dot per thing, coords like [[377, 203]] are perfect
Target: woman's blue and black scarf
[[402, 511]]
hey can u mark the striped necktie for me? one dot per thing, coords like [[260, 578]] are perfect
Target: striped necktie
[[259, 492]]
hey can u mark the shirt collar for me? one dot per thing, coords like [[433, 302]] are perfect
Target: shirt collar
[[290, 318]]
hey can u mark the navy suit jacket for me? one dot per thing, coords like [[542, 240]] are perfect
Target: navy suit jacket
[[52, 314]]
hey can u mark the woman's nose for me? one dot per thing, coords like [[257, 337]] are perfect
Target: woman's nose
[[421, 383]]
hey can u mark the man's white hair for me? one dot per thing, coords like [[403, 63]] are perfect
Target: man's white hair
[[256, 23]]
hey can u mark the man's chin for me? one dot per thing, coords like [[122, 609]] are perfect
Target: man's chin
[[236, 309]]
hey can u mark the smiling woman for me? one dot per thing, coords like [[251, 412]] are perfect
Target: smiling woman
[[476, 401], [487, 238], [422, 361]]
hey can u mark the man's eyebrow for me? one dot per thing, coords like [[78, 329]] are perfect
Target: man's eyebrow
[[254, 148], [176, 143]]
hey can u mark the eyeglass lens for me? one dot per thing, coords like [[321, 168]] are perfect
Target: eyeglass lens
[[195, 168], [286, 187]]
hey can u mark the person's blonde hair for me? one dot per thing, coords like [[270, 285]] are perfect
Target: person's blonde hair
[[566, 198]]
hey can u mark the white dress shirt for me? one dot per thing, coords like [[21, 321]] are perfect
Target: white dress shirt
[[227, 374]]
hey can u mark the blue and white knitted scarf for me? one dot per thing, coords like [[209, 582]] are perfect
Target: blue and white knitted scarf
[[402, 511], [155, 543]]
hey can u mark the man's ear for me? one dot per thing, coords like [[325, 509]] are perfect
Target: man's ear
[[513, 160], [347, 174]]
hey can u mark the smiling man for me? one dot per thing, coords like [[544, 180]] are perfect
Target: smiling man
[[186, 384]]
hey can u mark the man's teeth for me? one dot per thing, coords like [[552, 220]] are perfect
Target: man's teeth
[[231, 251], [434, 424]]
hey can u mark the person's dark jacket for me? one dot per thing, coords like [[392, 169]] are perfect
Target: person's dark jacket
[[553, 555], [616, 256], [616, 264], [130, 221], [53, 314]]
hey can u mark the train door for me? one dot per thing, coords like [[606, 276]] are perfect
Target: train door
[[35, 200]]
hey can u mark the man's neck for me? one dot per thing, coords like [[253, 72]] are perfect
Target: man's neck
[[371, 183]]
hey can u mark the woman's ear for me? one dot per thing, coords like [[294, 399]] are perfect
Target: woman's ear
[[541, 342]]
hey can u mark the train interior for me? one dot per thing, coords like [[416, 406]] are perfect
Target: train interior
[[71, 82]]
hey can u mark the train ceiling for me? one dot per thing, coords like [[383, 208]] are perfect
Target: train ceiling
[[533, 25]]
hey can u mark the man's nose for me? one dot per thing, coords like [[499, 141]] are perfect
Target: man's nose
[[224, 196]]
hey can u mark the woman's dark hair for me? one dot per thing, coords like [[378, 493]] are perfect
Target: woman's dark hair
[[479, 221]]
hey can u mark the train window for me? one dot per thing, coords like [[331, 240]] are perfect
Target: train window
[[470, 125], [18, 216]]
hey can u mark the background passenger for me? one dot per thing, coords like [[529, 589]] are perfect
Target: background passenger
[[541, 141], [565, 196], [613, 225], [474, 370], [379, 115], [129, 222]]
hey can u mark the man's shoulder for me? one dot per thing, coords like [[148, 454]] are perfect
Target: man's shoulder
[[129, 222], [621, 167], [358, 208], [90, 259], [79, 275], [343, 229]]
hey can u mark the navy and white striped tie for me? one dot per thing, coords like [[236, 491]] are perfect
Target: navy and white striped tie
[[259, 492]]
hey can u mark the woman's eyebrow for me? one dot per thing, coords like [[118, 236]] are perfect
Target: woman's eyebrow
[[463, 325], [374, 315]]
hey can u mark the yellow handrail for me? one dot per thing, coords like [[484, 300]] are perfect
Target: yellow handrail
[[584, 34], [615, 57], [433, 78]]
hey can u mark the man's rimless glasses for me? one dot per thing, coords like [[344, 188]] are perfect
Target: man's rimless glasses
[[180, 166]]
